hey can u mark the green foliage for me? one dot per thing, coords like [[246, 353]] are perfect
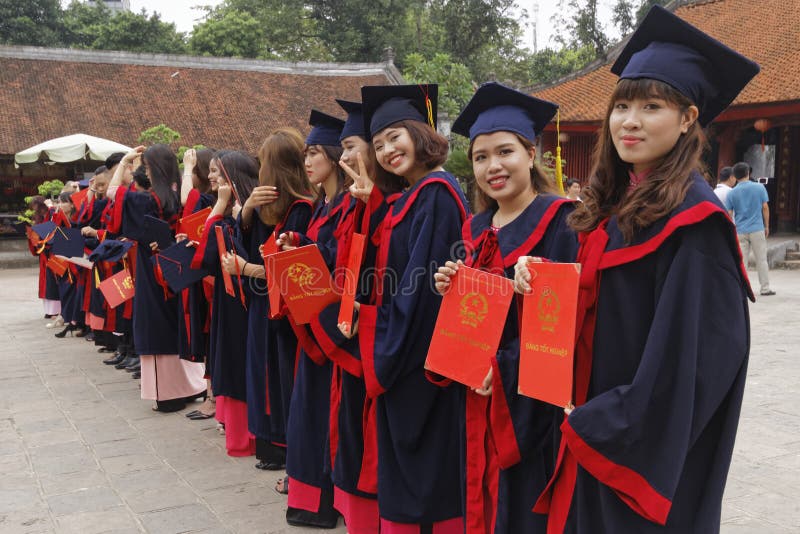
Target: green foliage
[[285, 30], [228, 33], [83, 23], [26, 216], [138, 32], [459, 165], [623, 16], [454, 79], [161, 134], [51, 188], [548, 164], [30, 22], [645, 6]]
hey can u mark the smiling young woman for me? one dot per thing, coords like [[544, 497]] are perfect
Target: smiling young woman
[[413, 422], [518, 213], [658, 388]]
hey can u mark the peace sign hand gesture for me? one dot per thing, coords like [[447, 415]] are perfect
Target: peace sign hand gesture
[[362, 183]]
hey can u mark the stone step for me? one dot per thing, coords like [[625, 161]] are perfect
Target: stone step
[[787, 265], [790, 256]]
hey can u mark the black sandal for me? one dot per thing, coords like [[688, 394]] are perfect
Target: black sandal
[[282, 486]]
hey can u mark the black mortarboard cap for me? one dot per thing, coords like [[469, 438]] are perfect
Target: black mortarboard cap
[[68, 242], [44, 229], [326, 129], [354, 125], [110, 250], [385, 105], [159, 231], [497, 108], [175, 263], [666, 48]]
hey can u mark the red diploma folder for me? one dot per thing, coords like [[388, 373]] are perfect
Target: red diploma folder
[[78, 198], [268, 249], [304, 281], [57, 265], [351, 280], [193, 225], [547, 341], [469, 325], [118, 288], [226, 276]]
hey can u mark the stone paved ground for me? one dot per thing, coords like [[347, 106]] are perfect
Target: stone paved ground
[[80, 452]]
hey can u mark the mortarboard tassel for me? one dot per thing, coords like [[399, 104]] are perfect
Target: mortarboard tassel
[[559, 172], [428, 106]]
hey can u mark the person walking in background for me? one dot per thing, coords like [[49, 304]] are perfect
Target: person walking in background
[[747, 204], [726, 182], [573, 189]]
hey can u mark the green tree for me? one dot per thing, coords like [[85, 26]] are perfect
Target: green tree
[[30, 22], [83, 23], [161, 134], [454, 79], [229, 33], [139, 32], [286, 29], [623, 16], [645, 6]]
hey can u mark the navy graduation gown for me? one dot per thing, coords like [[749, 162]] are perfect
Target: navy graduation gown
[[193, 308], [227, 351], [352, 441], [659, 381], [418, 461], [307, 455], [522, 427], [271, 343], [155, 318]]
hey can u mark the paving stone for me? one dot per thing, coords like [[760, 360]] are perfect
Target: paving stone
[[96, 499], [181, 519], [164, 497], [19, 498], [34, 521], [117, 520], [72, 482]]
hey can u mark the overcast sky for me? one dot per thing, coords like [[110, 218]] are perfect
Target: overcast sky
[[181, 12]]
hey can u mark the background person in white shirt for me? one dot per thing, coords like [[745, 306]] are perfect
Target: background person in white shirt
[[726, 182]]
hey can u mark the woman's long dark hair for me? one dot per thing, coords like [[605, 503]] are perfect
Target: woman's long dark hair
[[282, 166], [241, 168], [665, 187], [165, 177], [201, 170], [540, 181]]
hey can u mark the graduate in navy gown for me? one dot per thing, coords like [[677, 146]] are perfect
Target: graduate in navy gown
[[307, 459], [520, 213], [65, 217], [235, 175], [197, 194], [166, 378], [48, 289], [658, 387], [352, 416], [417, 422], [281, 201]]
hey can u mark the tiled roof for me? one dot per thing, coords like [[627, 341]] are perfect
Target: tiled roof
[[767, 31], [221, 103]]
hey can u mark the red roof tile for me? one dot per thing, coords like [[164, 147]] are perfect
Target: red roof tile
[[767, 31], [218, 103]]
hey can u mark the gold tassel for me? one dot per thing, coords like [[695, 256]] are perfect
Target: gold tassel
[[559, 172], [429, 107], [96, 276]]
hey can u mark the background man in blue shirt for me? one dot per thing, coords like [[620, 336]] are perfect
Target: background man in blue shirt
[[747, 204]]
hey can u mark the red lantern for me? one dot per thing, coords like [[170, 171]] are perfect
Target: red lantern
[[762, 125]]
